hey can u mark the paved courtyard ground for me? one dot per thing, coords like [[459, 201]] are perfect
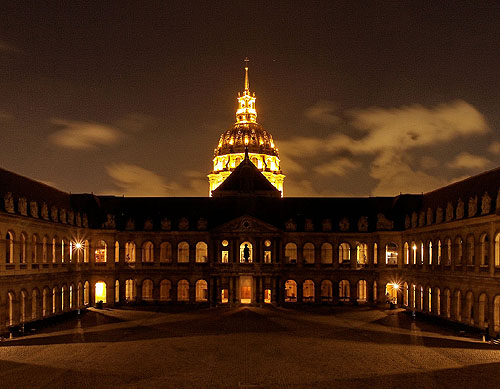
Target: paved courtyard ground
[[249, 347]]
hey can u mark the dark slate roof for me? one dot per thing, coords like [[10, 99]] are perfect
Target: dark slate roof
[[246, 180]]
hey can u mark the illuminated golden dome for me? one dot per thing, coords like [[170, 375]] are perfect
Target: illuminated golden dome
[[246, 133]]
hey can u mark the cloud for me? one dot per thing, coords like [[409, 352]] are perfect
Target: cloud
[[134, 180], [468, 161], [135, 122], [392, 139], [323, 112], [337, 167], [83, 135], [494, 147]]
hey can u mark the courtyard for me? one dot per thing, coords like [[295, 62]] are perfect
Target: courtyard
[[249, 347]]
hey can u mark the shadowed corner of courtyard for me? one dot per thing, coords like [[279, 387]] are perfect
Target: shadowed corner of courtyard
[[358, 324]]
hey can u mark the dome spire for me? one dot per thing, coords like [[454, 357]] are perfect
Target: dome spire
[[246, 112]]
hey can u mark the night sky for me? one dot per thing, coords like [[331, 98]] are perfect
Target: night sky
[[362, 98]]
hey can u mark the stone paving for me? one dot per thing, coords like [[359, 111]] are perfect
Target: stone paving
[[248, 347]]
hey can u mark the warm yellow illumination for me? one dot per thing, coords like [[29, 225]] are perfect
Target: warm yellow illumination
[[78, 245], [100, 292]]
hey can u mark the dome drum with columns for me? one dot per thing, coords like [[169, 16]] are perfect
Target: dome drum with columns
[[246, 133]]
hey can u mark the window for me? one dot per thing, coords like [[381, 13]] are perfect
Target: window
[[117, 251], [22, 253], [344, 253], [290, 291], [129, 290], [429, 261], [326, 290], [326, 253], [246, 252], [413, 253], [391, 254], [344, 290], [201, 252], [130, 252], [485, 249], [497, 250], [117, 290], [100, 292], [459, 251], [183, 252], [9, 248], [291, 252], [165, 252], [86, 250], [224, 258], [422, 251], [267, 251], [375, 253], [308, 291], [53, 250], [201, 291], [470, 250], [183, 290], [34, 252], [100, 252], [147, 290], [165, 288], [439, 253], [362, 291], [308, 252], [148, 252], [361, 254], [44, 249], [406, 254]]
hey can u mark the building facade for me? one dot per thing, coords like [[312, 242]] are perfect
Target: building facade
[[437, 253]]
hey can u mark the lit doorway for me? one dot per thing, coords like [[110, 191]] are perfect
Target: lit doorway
[[246, 290], [267, 296], [100, 292]]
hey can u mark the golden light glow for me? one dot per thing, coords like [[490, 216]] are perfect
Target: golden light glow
[[100, 292], [78, 245]]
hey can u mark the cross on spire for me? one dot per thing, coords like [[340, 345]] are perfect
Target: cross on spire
[[246, 73]]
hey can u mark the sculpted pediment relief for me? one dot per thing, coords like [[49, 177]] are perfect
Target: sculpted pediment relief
[[246, 224]]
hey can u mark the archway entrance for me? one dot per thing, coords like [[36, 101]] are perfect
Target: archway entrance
[[246, 289], [100, 292]]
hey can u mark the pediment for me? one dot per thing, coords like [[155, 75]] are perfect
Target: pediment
[[245, 224]]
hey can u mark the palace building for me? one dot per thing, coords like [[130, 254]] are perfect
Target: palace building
[[247, 243]]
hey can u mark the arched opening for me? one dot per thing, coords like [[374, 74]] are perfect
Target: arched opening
[[405, 294], [34, 304], [422, 251], [344, 290], [45, 302], [308, 252], [439, 252], [117, 291], [361, 254], [64, 296], [469, 313], [165, 252], [375, 291], [406, 254], [457, 306], [71, 296], [413, 253], [459, 251], [86, 293], [100, 292], [470, 250], [375, 253], [34, 248], [55, 292], [22, 306], [326, 253], [86, 251], [183, 290], [148, 252], [485, 250], [165, 290], [391, 292], [130, 252], [483, 311], [201, 252], [147, 290], [447, 303], [447, 245], [290, 291], [497, 250], [9, 247], [201, 291], [414, 296], [429, 254], [326, 291], [44, 249], [117, 251], [130, 290], [421, 305], [267, 296], [344, 253], [101, 252], [11, 298], [246, 289], [22, 253], [429, 299], [391, 254], [308, 291], [246, 255], [183, 252], [496, 314], [291, 253], [361, 291], [437, 300], [224, 296]]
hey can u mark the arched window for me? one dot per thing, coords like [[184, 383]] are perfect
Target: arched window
[[44, 249], [326, 253], [326, 290], [485, 249], [22, 253], [201, 291], [246, 255], [375, 253], [496, 314], [308, 291], [308, 252], [405, 294], [147, 290], [54, 250], [71, 296], [45, 301], [165, 288], [100, 292], [11, 307], [422, 251], [34, 249], [361, 254], [406, 254], [429, 299], [148, 252], [458, 250], [391, 292], [183, 252], [63, 249], [483, 311], [117, 251], [183, 290], [64, 296], [130, 252], [497, 250], [117, 291], [439, 253], [129, 289], [22, 306], [165, 252], [447, 255], [86, 293], [344, 290], [101, 252], [413, 253], [437, 301], [344, 253], [34, 304], [9, 247], [447, 303], [290, 291], [55, 292], [362, 291], [429, 261], [470, 250], [291, 252], [201, 252], [391, 254], [86, 251]]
